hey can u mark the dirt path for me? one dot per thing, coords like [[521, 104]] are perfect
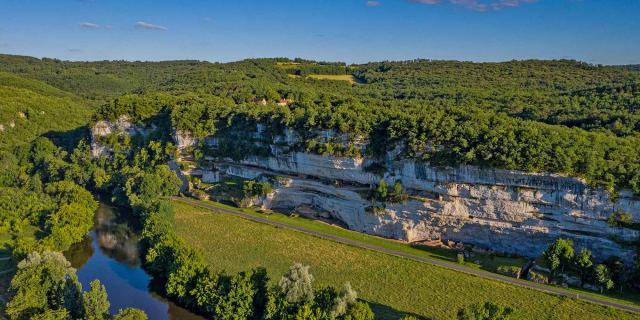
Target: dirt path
[[439, 263]]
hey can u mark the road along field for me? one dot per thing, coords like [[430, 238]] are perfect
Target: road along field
[[392, 284]]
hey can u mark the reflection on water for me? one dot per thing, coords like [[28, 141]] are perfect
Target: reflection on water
[[110, 253]]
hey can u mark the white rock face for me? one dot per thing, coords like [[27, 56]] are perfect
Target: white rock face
[[104, 128], [210, 176], [184, 139], [507, 211]]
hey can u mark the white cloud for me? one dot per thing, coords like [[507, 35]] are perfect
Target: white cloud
[[89, 25], [149, 26], [374, 3], [479, 5]]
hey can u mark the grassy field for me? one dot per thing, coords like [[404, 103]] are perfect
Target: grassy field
[[486, 262], [393, 285], [338, 77]]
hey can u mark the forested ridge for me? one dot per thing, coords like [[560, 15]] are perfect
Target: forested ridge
[[559, 116], [564, 117]]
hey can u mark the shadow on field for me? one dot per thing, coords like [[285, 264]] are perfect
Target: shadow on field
[[440, 253], [385, 312]]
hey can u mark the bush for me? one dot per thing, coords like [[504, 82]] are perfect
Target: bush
[[512, 271], [297, 284], [486, 311], [382, 191], [620, 219], [538, 277], [252, 188]]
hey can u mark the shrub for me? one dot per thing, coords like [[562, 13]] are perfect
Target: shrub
[[382, 191], [297, 284], [486, 311], [537, 277], [620, 219], [509, 271], [252, 188]]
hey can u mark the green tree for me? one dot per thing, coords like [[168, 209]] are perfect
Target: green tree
[[60, 314], [603, 277], [583, 263], [485, 311], [277, 306], [346, 297], [145, 188], [359, 311], [236, 294], [205, 293], [68, 225], [184, 268], [621, 275], [42, 283], [559, 255], [95, 302], [297, 284], [382, 190], [397, 189], [130, 314]]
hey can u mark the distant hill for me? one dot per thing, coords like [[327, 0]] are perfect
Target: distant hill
[[634, 67], [96, 81], [29, 108]]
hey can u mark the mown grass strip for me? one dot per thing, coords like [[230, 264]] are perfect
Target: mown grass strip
[[335, 77]]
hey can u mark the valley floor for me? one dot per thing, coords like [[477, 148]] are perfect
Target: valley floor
[[392, 284]]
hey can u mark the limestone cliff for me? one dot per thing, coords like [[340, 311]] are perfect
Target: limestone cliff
[[507, 211]]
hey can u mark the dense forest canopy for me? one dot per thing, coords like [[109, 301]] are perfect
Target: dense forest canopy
[[97, 81], [559, 116]]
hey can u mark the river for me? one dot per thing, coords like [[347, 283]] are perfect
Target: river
[[111, 254]]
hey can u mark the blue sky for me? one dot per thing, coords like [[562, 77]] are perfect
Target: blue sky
[[354, 31]]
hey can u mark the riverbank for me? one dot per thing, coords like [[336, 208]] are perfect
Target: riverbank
[[111, 254]]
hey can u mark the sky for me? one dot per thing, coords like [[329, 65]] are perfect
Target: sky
[[353, 31]]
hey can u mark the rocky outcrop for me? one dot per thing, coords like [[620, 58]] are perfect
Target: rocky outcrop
[[184, 139], [103, 128], [121, 125], [503, 210], [494, 217]]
